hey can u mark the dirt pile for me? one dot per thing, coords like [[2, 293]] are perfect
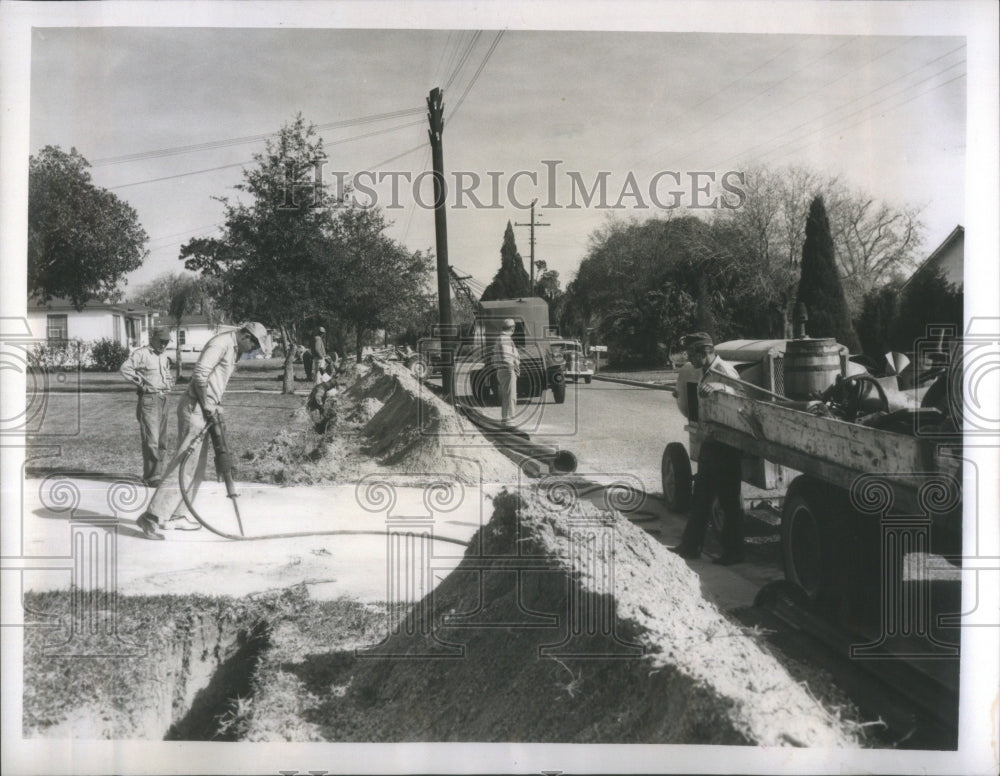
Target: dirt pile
[[560, 625], [379, 420]]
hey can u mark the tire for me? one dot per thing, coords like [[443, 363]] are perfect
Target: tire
[[481, 389], [675, 476], [808, 549], [559, 392], [419, 368], [717, 518], [587, 379]]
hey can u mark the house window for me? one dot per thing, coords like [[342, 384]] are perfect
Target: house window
[[117, 328], [57, 327], [180, 336]]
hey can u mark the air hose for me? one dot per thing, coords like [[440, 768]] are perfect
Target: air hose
[[231, 493]]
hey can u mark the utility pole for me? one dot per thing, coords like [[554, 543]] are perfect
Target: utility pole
[[531, 242], [435, 116]]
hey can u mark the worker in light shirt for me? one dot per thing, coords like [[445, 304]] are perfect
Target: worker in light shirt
[[719, 473], [199, 404], [507, 363], [148, 368]]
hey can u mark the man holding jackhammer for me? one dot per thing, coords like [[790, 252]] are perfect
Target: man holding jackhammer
[[198, 406], [718, 465], [148, 368]]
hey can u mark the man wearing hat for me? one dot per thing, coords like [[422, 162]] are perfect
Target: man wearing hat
[[719, 472], [507, 363], [148, 368], [198, 405]]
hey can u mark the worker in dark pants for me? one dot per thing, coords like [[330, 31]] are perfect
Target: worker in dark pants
[[719, 472]]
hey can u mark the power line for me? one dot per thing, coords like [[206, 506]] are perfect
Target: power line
[[900, 105], [478, 72], [848, 103], [465, 58], [251, 161], [160, 152]]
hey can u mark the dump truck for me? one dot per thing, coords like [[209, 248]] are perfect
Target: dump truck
[[838, 448]]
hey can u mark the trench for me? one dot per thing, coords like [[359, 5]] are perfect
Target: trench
[[216, 712]]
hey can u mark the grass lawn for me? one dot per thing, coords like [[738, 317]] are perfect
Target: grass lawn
[[97, 433]]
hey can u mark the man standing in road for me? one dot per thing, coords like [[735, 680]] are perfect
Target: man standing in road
[[197, 407], [148, 368], [719, 472], [507, 363]]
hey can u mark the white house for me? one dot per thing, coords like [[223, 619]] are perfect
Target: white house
[[195, 331], [58, 321]]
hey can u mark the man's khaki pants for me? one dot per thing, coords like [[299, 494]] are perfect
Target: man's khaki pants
[[167, 501], [507, 381]]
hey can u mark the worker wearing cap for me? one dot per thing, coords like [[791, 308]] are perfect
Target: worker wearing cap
[[199, 404], [148, 368], [507, 363], [719, 472]]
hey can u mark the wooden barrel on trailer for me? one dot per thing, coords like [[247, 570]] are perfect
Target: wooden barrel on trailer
[[811, 366]]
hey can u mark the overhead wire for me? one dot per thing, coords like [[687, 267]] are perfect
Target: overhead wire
[[478, 73], [831, 126], [212, 144], [341, 141]]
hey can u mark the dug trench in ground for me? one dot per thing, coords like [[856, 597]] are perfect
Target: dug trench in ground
[[555, 627], [376, 419]]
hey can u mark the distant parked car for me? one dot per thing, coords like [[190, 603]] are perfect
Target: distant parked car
[[577, 364]]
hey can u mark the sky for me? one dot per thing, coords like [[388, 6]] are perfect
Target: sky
[[885, 113]]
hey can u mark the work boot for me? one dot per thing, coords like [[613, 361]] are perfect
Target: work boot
[[688, 553], [181, 523], [148, 524]]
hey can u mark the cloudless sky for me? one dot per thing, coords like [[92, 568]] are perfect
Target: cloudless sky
[[886, 113]]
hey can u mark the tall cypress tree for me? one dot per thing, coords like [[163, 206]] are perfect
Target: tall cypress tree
[[819, 283], [511, 280]]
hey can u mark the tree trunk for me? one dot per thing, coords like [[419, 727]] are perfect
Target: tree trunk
[[357, 344], [177, 350], [288, 378]]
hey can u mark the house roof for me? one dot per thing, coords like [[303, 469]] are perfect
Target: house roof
[[60, 303], [939, 253]]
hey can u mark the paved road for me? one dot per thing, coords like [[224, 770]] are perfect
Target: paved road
[[620, 430]]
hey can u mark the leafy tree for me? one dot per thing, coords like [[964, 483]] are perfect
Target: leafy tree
[[82, 239], [275, 255], [179, 294], [928, 299], [874, 326], [511, 280], [547, 287], [819, 283], [377, 283]]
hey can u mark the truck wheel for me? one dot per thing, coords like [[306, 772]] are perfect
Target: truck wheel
[[559, 391], [419, 368], [807, 548], [587, 379], [675, 476], [480, 388]]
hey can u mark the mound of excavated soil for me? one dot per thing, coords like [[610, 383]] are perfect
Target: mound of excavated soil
[[381, 421], [559, 625]]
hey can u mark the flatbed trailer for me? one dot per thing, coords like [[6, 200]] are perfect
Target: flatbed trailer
[[849, 493]]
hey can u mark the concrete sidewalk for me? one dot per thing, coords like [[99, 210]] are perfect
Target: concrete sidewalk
[[67, 523]]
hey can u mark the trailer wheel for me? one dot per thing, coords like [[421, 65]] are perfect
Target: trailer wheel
[[807, 549], [675, 476]]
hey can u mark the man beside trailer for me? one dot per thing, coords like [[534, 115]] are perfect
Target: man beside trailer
[[719, 472]]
